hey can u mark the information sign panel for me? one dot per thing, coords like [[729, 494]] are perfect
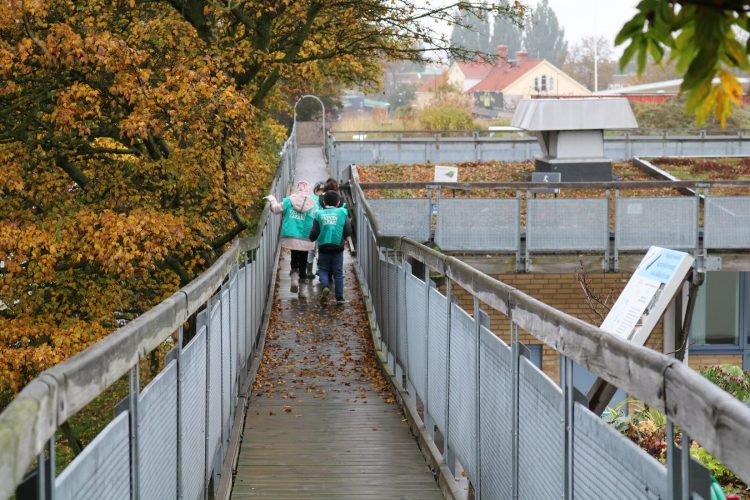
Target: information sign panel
[[648, 293], [446, 174]]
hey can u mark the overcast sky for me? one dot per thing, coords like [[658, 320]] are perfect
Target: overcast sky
[[582, 18]]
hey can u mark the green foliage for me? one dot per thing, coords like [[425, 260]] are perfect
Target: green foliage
[[730, 378], [700, 37], [446, 118], [671, 114], [402, 96]]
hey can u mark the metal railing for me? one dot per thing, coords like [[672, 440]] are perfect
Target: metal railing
[[405, 148], [609, 224], [515, 432], [170, 439]]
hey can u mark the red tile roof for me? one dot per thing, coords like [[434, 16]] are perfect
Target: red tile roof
[[503, 76], [431, 83], [475, 70]]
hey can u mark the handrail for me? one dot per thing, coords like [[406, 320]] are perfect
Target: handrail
[[46, 402], [660, 131], [708, 414], [467, 186]]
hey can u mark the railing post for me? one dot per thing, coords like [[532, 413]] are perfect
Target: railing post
[[566, 381], [45, 479], [206, 421], [180, 338], [477, 403], [134, 378], [518, 229], [606, 233], [617, 230], [514, 368]]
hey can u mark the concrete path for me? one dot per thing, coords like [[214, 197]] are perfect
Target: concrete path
[[322, 422]]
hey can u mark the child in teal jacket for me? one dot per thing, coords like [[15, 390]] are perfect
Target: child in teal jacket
[[331, 227]]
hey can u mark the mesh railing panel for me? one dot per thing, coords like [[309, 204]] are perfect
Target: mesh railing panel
[[727, 222], [495, 412], [666, 222], [102, 470], [243, 304], [437, 352], [407, 217], [541, 434], [226, 390], [416, 330], [193, 416], [233, 330], [214, 388], [605, 462], [567, 224], [478, 224], [462, 417], [397, 306], [157, 435]]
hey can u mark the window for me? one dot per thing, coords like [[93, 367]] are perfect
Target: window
[[716, 319], [536, 83], [544, 82], [551, 84]]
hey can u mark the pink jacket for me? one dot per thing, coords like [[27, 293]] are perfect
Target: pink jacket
[[302, 202]]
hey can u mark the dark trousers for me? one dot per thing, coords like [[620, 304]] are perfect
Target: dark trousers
[[299, 262], [332, 263]]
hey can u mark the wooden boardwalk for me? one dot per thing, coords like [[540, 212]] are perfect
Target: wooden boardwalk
[[322, 422]]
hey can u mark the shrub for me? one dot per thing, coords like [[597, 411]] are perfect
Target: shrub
[[731, 378], [446, 117]]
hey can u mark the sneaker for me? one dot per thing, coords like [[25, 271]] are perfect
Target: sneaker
[[295, 283], [324, 295], [340, 300], [302, 292]]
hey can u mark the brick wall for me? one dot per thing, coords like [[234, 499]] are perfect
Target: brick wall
[[562, 292], [697, 361]]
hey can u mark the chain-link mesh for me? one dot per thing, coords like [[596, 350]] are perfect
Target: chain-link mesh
[[102, 470], [403, 217], [478, 224], [727, 223], [463, 390], [496, 417], [666, 222], [416, 331], [541, 434], [567, 224], [157, 435]]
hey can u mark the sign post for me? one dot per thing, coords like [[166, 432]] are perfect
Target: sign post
[[640, 306]]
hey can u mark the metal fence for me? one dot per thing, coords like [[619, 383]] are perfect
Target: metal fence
[[559, 225], [170, 439], [437, 149], [514, 431]]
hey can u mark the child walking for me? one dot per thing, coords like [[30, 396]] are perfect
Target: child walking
[[317, 194], [331, 226], [297, 220]]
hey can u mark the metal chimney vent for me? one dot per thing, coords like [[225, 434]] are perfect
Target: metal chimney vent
[[571, 134]]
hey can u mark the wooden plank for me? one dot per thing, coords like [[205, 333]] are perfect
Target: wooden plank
[[322, 422]]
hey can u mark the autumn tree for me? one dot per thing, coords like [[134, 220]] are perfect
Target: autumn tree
[[704, 39], [581, 58], [136, 138]]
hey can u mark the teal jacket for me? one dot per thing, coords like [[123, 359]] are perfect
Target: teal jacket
[[330, 227], [296, 224]]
